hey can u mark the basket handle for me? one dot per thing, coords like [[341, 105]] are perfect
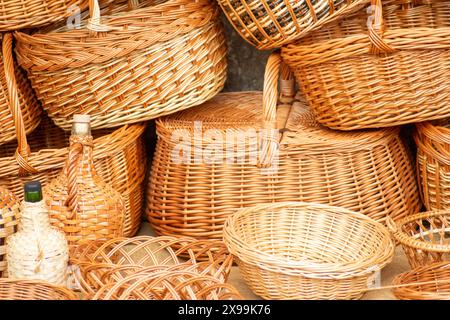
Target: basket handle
[[271, 138], [94, 22], [391, 225], [23, 149], [376, 27]]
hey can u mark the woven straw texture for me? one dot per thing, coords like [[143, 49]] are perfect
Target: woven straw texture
[[193, 194], [21, 14], [119, 157], [37, 251], [268, 24], [433, 163], [139, 64], [33, 290], [295, 250], [394, 71], [9, 219], [79, 202], [20, 112], [112, 261], [425, 237], [430, 282]]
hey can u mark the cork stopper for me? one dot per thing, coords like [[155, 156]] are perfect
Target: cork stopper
[[81, 125]]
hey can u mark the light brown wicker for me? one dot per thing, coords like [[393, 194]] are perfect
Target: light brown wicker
[[268, 24], [119, 157], [295, 250], [365, 171], [433, 163], [9, 219], [33, 290], [20, 112], [425, 237], [153, 59], [390, 71], [102, 262]]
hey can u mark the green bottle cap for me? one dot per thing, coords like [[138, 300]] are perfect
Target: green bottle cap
[[33, 191]]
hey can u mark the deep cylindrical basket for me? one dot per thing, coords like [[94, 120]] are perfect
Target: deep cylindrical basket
[[9, 219], [433, 163], [33, 290], [384, 67], [295, 250], [424, 237], [144, 60], [119, 157], [268, 24], [208, 163], [429, 282]]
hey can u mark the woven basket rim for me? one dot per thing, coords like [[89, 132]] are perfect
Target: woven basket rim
[[69, 294]]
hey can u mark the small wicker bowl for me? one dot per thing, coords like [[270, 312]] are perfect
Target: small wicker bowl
[[295, 250], [430, 282], [33, 290], [425, 237]]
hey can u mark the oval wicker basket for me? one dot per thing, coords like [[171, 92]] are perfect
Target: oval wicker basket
[[195, 183], [101, 262], [269, 24], [9, 219], [433, 163], [141, 63], [425, 237], [429, 282], [295, 250], [15, 15], [119, 158], [390, 72], [33, 290]]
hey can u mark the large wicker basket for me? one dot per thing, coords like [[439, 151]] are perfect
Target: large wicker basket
[[33, 290], [433, 163], [294, 250], [141, 63], [393, 70], [119, 157], [269, 24], [193, 194]]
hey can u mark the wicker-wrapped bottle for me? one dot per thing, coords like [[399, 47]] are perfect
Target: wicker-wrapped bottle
[[37, 251], [79, 202], [9, 214]]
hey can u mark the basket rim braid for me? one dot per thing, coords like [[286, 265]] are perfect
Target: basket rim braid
[[269, 24], [435, 133], [408, 240], [22, 289], [306, 268], [435, 276]]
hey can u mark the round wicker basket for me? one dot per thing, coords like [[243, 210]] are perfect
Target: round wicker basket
[[33, 290]]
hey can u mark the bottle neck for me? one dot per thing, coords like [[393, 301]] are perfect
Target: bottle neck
[[34, 217], [84, 153]]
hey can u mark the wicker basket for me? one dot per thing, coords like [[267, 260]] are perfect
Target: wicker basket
[[368, 172], [295, 250], [20, 112], [9, 219], [112, 261], [269, 24], [425, 237], [15, 15], [433, 163], [119, 159], [155, 59], [33, 290], [359, 76], [430, 282]]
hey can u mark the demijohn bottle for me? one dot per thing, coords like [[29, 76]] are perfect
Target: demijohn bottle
[[37, 251]]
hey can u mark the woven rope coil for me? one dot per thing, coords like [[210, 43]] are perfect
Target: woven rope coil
[[153, 59], [268, 24], [33, 290], [424, 237], [390, 71], [9, 219]]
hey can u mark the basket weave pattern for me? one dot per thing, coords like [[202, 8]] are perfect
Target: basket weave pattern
[[33, 290], [9, 219]]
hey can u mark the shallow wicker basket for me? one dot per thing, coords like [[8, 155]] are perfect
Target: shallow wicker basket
[[119, 157], [394, 71], [430, 282], [33, 290], [269, 24], [433, 163], [138, 64], [295, 250], [196, 183], [425, 237], [9, 219]]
